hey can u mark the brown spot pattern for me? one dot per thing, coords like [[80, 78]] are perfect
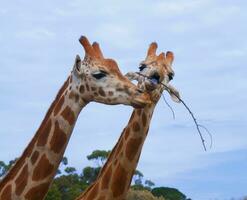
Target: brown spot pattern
[[132, 147], [119, 147], [126, 133], [6, 194], [37, 192], [144, 119], [120, 89], [136, 126], [68, 115], [74, 96], [126, 89], [21, 180], [93, 88], [87, 87], [106, 178], [44, 133], [34, 157], [27, 152], [110, 93], [101, 92], [119, 181], [58, 139], [101, 198], [82, 89], [43, 169], [59, 105]]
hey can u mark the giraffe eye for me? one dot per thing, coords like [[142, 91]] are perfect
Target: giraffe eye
[[99, 75], [142, 67]]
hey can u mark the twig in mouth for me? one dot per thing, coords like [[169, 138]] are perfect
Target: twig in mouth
[[198, 126]]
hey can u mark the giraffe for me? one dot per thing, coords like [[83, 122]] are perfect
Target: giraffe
[[115, 177], [92, 79]]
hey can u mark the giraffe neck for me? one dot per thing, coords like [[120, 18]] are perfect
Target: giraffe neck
[[115, 177], [32, 174]]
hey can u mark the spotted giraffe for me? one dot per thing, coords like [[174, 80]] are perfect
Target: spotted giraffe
[[92, 79], [115, 177]]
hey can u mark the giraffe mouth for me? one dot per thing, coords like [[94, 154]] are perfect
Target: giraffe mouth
[[152, 82], [155, 78]]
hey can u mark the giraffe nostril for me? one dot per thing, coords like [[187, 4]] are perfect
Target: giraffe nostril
[[171, 75]]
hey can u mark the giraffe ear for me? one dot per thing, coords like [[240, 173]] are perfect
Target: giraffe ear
[[77, 65], [169, 57], [152, 49]]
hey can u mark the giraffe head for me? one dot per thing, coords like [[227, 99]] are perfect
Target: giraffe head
[[158, 69], [99, 79]]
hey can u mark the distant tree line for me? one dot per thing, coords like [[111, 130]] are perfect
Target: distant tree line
[[68, 183]]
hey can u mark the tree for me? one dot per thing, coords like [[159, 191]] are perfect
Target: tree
[[138, 176], [69, 187], [64, 161], [168, 193], [53, 193], [142, 195], [70, 170], [149, 184], [99, 156], [4, 168], [89, 174]]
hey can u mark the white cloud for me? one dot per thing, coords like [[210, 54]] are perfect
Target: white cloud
[[217, 15], [117, 35], [36, 34], [232, 53], [3, 11], [179, 7]]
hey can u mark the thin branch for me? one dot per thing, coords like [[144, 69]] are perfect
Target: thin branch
[[192, 115], [210, 135], [169, 106]]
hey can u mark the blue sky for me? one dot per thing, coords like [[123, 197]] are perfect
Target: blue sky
[[39, 42]]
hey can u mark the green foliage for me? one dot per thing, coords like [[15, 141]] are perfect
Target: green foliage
[[70, 170], [138, 187], [53, 193], [168, 193], [142, 195], [89, 174], [64, 161], [4, 168], [69, 187], [149, 183], [137, 178], [99, 156]]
